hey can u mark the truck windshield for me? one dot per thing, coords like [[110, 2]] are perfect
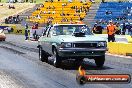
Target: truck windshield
[[70, 29]]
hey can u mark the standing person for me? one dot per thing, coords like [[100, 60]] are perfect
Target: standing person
[[26, 31], [124, 29], [99, 29], [129, 28], [94, 28], [111, 31], [118, 29]]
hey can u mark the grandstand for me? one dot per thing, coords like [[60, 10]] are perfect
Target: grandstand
[[122, 10], [60, 12]]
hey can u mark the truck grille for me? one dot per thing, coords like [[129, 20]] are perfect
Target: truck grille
[[85, 45]]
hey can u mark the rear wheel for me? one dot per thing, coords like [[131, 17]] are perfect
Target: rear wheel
[[42, 55], [100, 61], [56, 58]]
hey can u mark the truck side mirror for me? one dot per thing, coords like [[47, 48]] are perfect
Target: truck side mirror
[[54, 34]]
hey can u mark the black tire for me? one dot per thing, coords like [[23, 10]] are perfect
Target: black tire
[[100, 61], [42, 56], [56, 58]]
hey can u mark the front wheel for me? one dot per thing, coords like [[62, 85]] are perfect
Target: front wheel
[[100, 61], [56, 58], [42, 55]]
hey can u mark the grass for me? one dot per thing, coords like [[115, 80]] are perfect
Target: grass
[[37, 1], [19, 7]]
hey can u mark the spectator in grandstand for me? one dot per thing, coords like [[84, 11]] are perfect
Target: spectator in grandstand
[[123, 29], [71, 21], [111, 31], [41, 6], [118, 29], [10, 19], [1, 4], [11, 7], [38, 16], [44, 12], [62, 14], [17, 17], [93, 1], [81, 9], [53, 12], [108, 12], [53, 8], [64, 20], [36, 25], [87, 9], [70, 1], [37, 8]]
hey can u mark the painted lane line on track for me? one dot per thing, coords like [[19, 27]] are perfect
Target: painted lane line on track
[[115, 55]]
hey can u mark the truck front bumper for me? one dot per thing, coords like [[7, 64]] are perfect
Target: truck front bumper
[[81, 52]]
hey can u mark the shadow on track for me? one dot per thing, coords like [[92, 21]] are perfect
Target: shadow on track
[[70, 65]]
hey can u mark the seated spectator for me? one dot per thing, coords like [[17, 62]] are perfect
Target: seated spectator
[[53, 12], [70, 1], [93, 1], [18, 18], [64, 20], [1, 4], [53, 8], [11, 7], [38, 16], [62, 14], [81, 1], [108, 13], [37, 8], [44, 12], [68, 14], [41, 6], [71, 21], [49, 12]]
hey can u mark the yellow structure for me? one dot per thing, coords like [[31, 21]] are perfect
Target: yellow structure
[[60, 12], [120, 48], [129, 38]]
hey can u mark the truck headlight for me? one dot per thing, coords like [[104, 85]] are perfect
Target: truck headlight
[[66, 45], [101, 44]]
